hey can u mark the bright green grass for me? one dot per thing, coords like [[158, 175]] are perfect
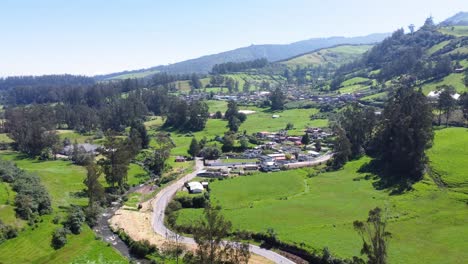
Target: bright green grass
[[154, 122], [464, 63], [428, 224], [73, 135], [4, 138], [462, 50], [449, 157], [262, 120], [353, 88], [7, 210], [457, 31], [336, 55], [354, 80], [437, 47], [136, 175], [454, 79], [216, 105], [64, 181], [377, 96], [134, 75], [33, 246]]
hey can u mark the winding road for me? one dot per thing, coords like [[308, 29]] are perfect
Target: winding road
[[163, 198]]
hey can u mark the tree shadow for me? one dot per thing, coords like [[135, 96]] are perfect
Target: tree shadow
[[79, 194], [394, 183]]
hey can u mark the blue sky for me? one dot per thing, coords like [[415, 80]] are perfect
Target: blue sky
[[96, 36]]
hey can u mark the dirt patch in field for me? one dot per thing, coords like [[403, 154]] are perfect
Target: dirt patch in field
[[137, 224]]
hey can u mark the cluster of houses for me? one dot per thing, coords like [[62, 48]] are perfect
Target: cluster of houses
[[277, 150]]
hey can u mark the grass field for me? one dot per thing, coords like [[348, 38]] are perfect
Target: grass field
[[64, 183], [458, 31], [4, 138], [134, 75], [429, 225], [336, 55], [437, 47], [454, 79], [7, 211], [449, 158], [215, 105], [73, 135]]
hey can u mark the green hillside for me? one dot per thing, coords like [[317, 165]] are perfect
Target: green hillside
[[335, 56], [431, 54]]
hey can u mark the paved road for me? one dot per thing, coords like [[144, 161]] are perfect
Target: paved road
[[163, 198], [300, 164]]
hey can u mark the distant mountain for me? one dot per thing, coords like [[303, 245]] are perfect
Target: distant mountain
[[460, 19], [272, 52]]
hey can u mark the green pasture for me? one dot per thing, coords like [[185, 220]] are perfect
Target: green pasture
[[428, 224]]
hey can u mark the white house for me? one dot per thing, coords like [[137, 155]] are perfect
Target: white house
[[195, 187]]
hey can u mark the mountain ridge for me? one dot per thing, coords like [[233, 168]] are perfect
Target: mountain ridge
[[272, 52]]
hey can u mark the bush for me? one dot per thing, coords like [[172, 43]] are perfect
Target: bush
[[7, 232], [56, 219], [141, 248], [191, 201], [59, 238], [92, 214], [32, 198], [75, 219]]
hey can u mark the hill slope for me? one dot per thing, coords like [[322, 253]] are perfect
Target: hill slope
[[271, 52], [459, 19], [336, 55]]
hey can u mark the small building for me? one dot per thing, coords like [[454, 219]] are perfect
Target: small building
[[204, 184], [250, 167], [195, 187], [277, 156], [90, 148], [313, 153], [269, 166], [180, 159]]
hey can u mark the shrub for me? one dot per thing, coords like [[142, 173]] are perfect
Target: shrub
[[92, 214], [59, 238], [141, 248], [75, 219], [32, 197]]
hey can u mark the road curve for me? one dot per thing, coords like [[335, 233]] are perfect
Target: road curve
[[163, 198]]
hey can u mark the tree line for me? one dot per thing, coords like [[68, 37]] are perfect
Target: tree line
[[396, 139], [229, 67]]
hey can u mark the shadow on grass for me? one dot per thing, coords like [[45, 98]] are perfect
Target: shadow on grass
[[79, 194], [384, 179]]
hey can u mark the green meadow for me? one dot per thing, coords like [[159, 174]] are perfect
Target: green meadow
[[454, 79], [261, 120], [64, 182], [428, 224], [4, 138]]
